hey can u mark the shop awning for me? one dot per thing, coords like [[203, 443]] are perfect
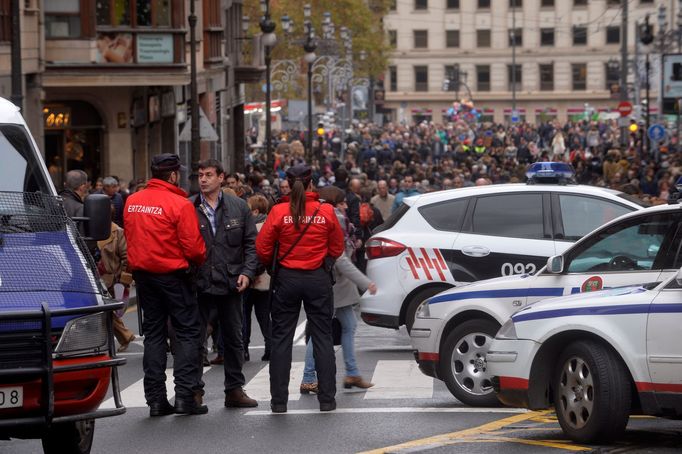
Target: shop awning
[[206, 131]]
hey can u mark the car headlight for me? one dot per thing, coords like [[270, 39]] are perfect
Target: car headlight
[[423, 310], [508, 331], [84, 335]]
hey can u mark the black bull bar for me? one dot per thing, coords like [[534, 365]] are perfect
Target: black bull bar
[[46, 371]]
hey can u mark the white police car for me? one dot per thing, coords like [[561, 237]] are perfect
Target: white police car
[[597, 358], [453, 330], [443, 239]]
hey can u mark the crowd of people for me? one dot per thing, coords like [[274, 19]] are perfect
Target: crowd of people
[[428, 157]]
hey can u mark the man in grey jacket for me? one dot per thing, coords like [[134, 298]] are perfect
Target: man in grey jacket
[[229, 231]]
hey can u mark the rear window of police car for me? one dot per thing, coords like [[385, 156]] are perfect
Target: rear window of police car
[[447, 215]]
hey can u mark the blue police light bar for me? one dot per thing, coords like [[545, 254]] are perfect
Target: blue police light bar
[[550, 172]]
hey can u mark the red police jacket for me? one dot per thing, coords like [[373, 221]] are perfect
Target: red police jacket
[[323, 238], [162, 229]]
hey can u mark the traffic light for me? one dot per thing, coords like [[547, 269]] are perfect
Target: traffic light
[[633, 127], [320, 129]]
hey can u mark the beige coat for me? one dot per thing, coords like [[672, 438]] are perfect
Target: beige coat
[[114, 262]]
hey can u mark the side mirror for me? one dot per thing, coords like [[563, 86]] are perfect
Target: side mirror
[[555, 264], [678, 277], [97, 211]]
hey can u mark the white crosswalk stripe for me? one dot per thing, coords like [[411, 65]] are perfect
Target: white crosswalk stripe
[[133, 395], [399, 379], [259, 386]]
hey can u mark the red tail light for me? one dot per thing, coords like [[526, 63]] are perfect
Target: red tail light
[[377, 248]]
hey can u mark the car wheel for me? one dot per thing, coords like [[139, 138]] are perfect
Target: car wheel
[[463, 364], [417, 299], [70, 438], [592, 393]]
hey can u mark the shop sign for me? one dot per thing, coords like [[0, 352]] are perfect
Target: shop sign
[[154, 48]]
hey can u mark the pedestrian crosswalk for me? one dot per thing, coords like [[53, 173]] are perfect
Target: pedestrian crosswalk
[[393, 379]]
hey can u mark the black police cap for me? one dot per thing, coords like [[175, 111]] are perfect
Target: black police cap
[[166, 161]]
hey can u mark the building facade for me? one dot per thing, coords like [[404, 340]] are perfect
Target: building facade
[[107, 82], [567, 57]]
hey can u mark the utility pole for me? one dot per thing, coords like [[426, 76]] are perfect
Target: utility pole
[[624, 66], [195, 139], [513, 71], [17, 96]]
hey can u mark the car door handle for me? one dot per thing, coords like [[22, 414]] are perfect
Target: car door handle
[[475, 251]]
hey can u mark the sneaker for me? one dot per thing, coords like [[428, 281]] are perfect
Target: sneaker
[[160, 408], [358, 382], [238, 398], [307, 388]]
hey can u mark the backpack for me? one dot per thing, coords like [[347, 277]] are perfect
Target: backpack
[[366, 214]]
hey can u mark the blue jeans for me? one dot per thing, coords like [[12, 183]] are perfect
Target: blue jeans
[[349, 322]]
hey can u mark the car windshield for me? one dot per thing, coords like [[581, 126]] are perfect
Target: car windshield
[[20, 170]]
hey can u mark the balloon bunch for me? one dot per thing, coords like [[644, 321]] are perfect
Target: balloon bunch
[[465, 111]]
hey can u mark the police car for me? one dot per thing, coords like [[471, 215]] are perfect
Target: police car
[[597, 358], [453, 330], [443, 239]]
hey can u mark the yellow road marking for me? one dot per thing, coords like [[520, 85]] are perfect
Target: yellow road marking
[[546, 443], [450, 437]]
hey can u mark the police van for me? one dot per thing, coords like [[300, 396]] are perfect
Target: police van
[[453, 330], [57, 355], [596, 358], [448, 238]]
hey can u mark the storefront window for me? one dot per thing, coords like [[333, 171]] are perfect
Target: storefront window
[[114, 13]]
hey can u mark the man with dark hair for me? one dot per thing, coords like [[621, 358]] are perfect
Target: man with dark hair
[[74, 192], [163, 244], [229, 232]]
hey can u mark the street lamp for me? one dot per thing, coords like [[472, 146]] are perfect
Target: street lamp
[[646, 37], [309, 47], [267, 27]]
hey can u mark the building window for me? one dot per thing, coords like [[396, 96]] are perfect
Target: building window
[[421, 78], [612, 70], [452, 38], [392, 78], [547, 3], [5, 21], [62, 19], [393, 5], [483, 4], [516, 3], [453, 77], [421, 4], [482, 38], [134, 13], [546, 36], [393, 38], [452, 4], [579, 36], [547, 77], [579, 73], [579, 2], [514, 71], [613, 34], [613, 3], [516, 37], [646, 1], [213, 31], [421, 39], [483, 77]]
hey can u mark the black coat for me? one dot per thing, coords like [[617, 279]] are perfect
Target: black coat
[[231, 251]]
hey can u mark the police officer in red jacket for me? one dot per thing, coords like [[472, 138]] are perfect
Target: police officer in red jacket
[[163, 237], [302, 276]]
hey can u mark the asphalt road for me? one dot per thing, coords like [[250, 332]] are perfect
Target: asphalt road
[[404, 412]]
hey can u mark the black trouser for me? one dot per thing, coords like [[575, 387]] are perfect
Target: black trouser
[[314, 288], [164, 297], [230, 312], [258, 301]]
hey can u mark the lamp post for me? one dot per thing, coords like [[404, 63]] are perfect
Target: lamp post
[[195, 138], [646, 38], [309, 47], [267, 26]]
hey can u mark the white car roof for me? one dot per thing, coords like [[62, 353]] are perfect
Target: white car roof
[[449, 194], [9, 113]]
